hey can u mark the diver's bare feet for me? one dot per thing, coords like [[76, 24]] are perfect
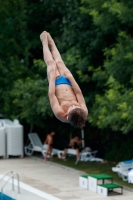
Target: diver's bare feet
[[50, 40], [44, 38]]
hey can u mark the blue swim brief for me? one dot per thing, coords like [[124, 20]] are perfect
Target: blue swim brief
[[62, 80]]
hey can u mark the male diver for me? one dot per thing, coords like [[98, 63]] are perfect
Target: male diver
[[66, 98]]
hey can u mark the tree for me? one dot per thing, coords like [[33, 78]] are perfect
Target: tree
[[113, 107], [13, 47]]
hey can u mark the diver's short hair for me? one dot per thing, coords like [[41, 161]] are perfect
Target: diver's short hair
[[77, 117]]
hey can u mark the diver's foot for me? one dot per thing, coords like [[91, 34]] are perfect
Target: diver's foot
[[44, 38], [50, 40]]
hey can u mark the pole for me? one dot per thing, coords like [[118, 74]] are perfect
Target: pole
[[82, 136]]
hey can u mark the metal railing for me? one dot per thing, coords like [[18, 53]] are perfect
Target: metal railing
[[6, 175], [7, 181]]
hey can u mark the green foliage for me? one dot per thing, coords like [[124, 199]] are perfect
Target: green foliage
[[12, 26], [115, 108], [123, 150], [13, 46], [113, 102], [119, 59]]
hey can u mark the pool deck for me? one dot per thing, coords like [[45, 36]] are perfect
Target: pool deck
[[59, 181]]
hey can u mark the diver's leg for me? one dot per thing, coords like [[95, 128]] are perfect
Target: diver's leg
[[56, 56], [48, 58]]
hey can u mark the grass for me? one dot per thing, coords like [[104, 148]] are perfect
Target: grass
[[94, 168]]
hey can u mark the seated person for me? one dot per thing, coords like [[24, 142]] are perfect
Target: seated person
[[75, 143], [49, 142]]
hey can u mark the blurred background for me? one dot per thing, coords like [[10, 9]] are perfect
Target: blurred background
[[95, 39]]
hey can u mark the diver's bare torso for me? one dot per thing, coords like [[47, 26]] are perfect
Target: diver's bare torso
[[66, 98]]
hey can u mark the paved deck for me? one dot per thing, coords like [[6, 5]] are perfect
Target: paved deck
[[59, 181]]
